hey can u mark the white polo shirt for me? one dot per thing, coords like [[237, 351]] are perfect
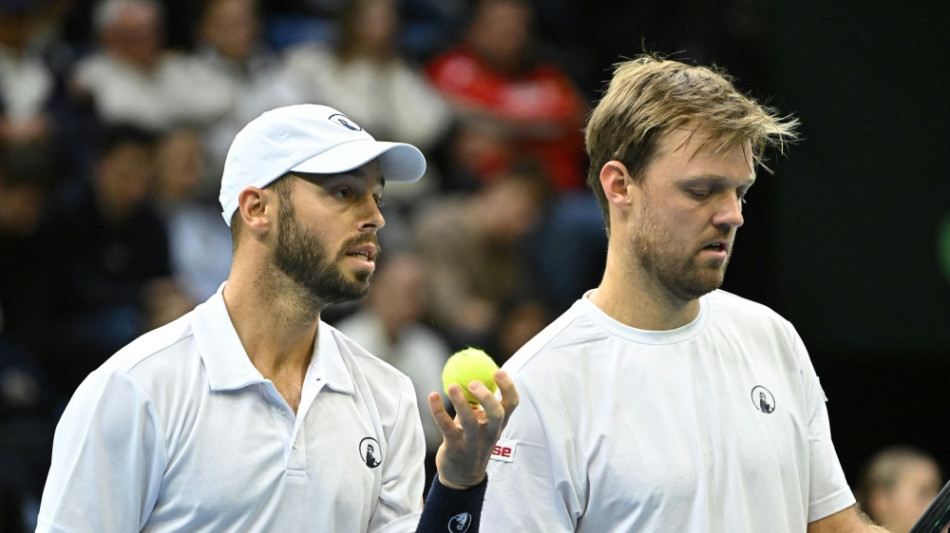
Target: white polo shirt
[[180, 432], [718, 426]]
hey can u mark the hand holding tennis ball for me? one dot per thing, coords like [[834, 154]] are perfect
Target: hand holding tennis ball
[[465, 366]]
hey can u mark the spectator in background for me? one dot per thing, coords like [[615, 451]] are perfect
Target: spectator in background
[[521, 318], [897, 485], [473, 245], [199, 241], [27, 83], [132, 78], [509, 103], [108, 246], [390, 325], [27, 179], [364, 73], [27, 404], [241, 76]]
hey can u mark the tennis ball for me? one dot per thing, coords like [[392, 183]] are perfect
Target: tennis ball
[[465, 366]]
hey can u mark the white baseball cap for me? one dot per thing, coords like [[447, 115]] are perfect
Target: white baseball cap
[[311, 139]]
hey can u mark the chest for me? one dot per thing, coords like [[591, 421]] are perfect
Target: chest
[[699, 437], [243, 455]]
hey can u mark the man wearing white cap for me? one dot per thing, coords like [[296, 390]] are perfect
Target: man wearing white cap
[[250, 413]]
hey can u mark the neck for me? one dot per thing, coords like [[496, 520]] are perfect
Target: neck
[[276, 322], [630, 297]]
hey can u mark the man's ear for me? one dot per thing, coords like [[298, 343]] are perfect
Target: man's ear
[[254, 209], [616, 181]]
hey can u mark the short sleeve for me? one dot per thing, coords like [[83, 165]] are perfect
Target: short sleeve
[[828, 487], [400, 497], [534, 483], [108, 459]]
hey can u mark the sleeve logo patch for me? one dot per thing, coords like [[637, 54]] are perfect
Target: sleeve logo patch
[[504, 451]]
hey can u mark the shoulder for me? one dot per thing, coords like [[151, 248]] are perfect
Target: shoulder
[[155, 347], [135, 379], [565, 341], [730, 310]]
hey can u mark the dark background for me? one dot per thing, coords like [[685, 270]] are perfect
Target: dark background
[[842, 240]]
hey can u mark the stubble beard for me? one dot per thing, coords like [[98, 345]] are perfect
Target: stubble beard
[[303, 259], [678, 275]]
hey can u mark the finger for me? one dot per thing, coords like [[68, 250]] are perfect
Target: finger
[[463, 410], [442, 419], [509, 394], [490, 404]]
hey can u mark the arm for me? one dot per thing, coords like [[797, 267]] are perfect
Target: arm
[[849, 520], [459, 488], [108, 459]]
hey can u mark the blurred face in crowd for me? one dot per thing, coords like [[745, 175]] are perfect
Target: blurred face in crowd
[[377, 23], [16, 29], [21, 208], [135, 35], [500, 33], [512, 207], [124, 179], [899, 507], [399, 292], [231, 28], [179, 161]]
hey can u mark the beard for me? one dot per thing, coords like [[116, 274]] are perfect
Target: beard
[[307, 262], [685, 279]]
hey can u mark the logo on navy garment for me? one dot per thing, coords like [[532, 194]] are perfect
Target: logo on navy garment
[[369, 452], [763, 399], [460, 523], [345, 121]]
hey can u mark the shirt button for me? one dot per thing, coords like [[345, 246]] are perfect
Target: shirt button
[[296, 445], [281, 411]]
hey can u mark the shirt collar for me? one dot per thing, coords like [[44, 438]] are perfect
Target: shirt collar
[[229, 366], [328, 362]]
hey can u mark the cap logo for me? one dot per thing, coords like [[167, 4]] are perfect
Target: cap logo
[[345, 121]]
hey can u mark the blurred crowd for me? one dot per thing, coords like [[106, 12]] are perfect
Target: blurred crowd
[[115, 120]]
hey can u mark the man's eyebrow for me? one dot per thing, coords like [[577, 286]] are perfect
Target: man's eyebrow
[[321, 179], [715, 179], [360, 172]]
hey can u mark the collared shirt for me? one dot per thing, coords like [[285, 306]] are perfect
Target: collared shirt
[[180, 432]]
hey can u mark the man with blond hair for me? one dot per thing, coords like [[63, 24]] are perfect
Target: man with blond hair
[[658, 402]]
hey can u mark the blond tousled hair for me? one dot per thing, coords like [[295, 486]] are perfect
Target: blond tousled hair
[[649, 96]]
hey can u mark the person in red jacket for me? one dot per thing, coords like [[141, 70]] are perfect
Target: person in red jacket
[[508, 104]]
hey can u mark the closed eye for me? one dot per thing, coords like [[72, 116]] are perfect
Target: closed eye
[[699, 194]]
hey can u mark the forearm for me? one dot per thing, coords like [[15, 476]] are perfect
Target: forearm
[[850, 520]]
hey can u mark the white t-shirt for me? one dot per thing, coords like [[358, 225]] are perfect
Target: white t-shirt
[[717, 426], [179, 432]]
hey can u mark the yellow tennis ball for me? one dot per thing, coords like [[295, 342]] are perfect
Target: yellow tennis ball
[[465, 366]]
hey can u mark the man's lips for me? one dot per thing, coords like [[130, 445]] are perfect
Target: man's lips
[[717, 246], [366, 252]]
